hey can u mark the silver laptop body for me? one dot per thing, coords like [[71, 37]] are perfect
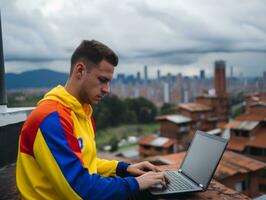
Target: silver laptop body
[[198, 166]]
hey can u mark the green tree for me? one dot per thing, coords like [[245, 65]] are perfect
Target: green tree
[[117, 108], [145, 110], [112, 111], [166, 108], [114, 144], [102, 116]]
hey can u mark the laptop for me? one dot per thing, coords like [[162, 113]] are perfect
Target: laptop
[[197, 168]]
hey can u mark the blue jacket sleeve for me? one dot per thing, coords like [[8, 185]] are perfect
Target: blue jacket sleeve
[[121, 169]]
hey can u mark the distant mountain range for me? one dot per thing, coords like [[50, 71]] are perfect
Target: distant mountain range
[[35, 79]]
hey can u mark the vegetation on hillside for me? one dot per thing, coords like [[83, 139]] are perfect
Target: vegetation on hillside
[[113, 111], [111, 136]]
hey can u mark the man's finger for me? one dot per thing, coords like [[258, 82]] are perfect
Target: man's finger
[[166, 178], [149, 166], [157, 169], [140, 172]]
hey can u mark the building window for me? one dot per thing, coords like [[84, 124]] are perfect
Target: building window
[[256, 151], [245, 133], [241, 133], [158, 148], [263, 173], [241, 186], [146, 147], [171, 149]]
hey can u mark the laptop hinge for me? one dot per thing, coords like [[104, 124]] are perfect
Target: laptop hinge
[[200, 185]]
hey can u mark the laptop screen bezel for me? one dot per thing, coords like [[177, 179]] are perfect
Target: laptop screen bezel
[[213, 137]]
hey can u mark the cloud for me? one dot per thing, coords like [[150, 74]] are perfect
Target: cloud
[[141, 31]]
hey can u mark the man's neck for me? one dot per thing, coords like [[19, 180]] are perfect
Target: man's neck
[[71, 89]]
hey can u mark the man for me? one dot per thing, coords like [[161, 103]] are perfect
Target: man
[[57, 154]]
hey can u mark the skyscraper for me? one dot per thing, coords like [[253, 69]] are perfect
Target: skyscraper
[[145, 73], [158, 74], [138, 76], [231, 72], [166, 92], [202, 74]]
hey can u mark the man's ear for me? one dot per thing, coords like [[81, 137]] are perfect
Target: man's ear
[[79, 70]]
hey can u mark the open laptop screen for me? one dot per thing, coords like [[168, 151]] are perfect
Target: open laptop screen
[[203, 156]]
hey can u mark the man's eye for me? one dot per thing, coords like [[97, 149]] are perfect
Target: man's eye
[[103, 80]]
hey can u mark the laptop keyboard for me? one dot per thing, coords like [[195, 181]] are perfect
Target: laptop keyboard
[[177, 182]]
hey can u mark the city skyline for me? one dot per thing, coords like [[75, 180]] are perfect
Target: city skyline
[[176, 36]]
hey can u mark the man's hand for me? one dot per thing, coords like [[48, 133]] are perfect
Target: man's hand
[[141, 168], [150, 179]]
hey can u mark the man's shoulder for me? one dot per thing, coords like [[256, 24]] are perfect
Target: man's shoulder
[[44, 109], [36, 118]]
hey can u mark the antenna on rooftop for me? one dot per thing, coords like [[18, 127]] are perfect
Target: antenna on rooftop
[[3, 97]]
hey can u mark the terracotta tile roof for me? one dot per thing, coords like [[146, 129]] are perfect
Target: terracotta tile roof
[[175, 158], [250, 117], [242, 125], [153, 140], [221, 125], [145, 140], [237, 143], [259, 140], [254, 94], [173, 142], [232, 124], [161, 117], [195, 107], [230, 164], [254, 98], [207, 96], [260, 103], [177, 119], [234, 163]]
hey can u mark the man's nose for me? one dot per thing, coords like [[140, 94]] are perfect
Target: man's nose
[[106, 88]]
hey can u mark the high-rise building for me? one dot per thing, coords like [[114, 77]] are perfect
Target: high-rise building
[[219, 78], [138, 76], [121, 77], [231, 72], [166, 92], [202, 74], [145, 73], [158, 74], [169, 77]]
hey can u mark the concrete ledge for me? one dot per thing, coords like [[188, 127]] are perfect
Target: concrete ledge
[[13, 115]]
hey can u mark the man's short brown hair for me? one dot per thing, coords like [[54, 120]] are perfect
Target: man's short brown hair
[[93, 52]]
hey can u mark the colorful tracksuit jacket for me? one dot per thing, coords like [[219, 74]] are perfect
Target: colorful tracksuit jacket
[[57, 155]]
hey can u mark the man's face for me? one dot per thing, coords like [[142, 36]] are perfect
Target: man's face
[[96, 83]]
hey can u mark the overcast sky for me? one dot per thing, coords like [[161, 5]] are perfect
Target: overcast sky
[[171, 35]]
